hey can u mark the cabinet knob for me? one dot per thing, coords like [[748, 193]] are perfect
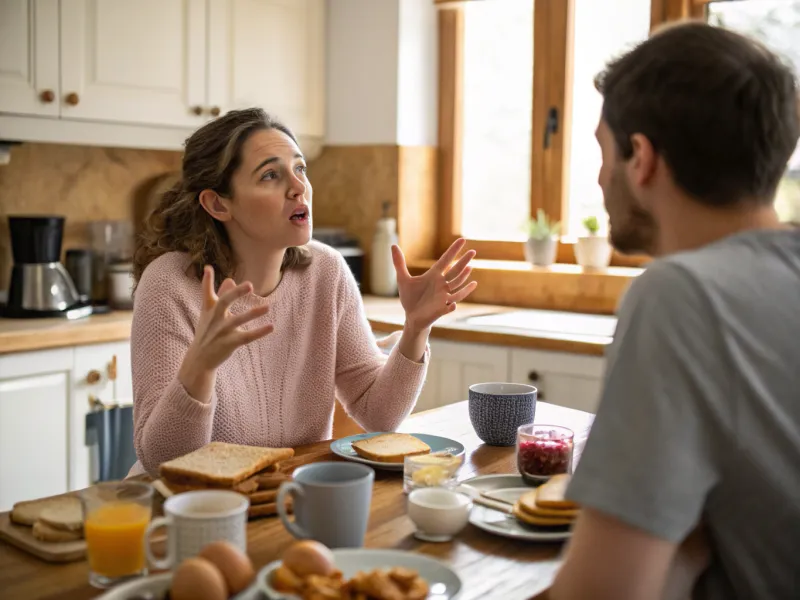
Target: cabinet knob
[[215, 111], [197, 110], [112, 369], [533, 376], [93, 377], [47, 96], [72, 99]]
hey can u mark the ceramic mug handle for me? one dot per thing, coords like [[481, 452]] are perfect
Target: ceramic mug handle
[[290, 487], [169, 558]]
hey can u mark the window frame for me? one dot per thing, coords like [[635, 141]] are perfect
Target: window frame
[[552, 59]]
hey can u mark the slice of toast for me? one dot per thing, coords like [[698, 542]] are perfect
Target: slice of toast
[[551, 493], [67, 516], [390, 447], [223, 464], [28, 511], [263, 497], [45, 533], [527, 504], [188, 484]]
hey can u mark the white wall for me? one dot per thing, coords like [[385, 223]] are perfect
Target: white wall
[[381, 72]]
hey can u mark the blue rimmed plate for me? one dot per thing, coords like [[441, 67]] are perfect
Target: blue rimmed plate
[[344, 448]]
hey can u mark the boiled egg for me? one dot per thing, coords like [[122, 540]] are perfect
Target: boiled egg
[[309, 558], [235, 565], [198, 579]]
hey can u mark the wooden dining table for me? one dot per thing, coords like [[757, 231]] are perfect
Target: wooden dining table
[[490, 566]]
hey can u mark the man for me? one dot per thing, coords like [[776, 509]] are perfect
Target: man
[[699, 423]]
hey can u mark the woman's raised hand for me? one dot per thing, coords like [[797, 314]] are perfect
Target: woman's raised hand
[[218, 334]]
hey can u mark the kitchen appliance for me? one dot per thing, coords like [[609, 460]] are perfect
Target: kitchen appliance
[[40, 285], [347, 246], [112, 243], [79, 266]]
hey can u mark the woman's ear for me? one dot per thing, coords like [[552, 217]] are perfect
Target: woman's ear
[[215, 205]]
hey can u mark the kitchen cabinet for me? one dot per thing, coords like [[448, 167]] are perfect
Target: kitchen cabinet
[[34, 433], [455, 366], [29, 77], [570, 380], [44, 399], [148, 73]]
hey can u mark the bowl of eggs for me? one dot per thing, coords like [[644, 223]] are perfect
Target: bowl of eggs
[[220, 572]]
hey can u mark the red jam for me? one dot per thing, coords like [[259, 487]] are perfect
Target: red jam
[[542, 458]]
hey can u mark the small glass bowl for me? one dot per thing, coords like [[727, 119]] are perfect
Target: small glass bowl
[[544, 451], [438, 469]]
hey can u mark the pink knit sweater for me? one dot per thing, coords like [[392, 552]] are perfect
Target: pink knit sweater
[[278, 391]]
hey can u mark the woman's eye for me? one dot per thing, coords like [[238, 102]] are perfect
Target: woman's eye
[[269, 175], [301, 169]]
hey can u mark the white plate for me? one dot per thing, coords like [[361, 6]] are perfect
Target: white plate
[[156, 587], [344, 447], [443, 582], [509, 488]]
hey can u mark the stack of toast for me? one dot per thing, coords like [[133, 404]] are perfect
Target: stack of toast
[[546, 506], [249, 470], [55, 519], [390, 447]]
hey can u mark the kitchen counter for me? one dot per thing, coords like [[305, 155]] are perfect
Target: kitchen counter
[[385, 315]]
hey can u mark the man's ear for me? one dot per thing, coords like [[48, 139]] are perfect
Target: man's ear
[[642, 165], [215, 205]]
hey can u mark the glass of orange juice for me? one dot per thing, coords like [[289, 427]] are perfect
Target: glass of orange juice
[[115, 517]]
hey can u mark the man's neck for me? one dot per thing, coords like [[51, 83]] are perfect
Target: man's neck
[[687, 225]]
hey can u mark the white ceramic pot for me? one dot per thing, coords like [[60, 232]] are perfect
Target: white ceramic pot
[[438, 513], [541, 252], [593, 252]]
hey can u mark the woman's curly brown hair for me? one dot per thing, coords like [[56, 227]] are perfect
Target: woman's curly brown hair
[[179, 222]]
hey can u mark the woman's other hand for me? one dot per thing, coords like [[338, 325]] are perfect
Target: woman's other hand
[[218, 334], [436, 292]]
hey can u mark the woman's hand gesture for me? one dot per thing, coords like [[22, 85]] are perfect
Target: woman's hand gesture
[[436, 292], [218, 334]]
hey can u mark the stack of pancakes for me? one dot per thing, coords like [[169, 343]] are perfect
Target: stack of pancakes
[[546, 506]]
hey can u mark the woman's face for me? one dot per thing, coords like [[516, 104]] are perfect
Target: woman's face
[[271, 196]]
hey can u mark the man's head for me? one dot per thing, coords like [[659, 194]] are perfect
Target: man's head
[[698, 112]]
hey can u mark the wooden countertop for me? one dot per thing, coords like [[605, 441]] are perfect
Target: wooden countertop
[[489, 566], [384, 314]]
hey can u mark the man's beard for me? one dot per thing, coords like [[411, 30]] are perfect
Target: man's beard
[[635, 231]]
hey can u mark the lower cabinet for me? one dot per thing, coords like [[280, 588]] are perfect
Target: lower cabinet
[[44, 398]]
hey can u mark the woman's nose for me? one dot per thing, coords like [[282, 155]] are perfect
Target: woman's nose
[[296, 186]]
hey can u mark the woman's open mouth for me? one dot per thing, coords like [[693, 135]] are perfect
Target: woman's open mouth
[[300, 216]]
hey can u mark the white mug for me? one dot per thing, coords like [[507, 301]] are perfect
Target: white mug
[[194, 519]]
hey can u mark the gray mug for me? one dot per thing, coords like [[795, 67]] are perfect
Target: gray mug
[[331, 503]]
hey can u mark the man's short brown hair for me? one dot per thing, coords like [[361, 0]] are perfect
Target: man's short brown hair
[[719, 107]]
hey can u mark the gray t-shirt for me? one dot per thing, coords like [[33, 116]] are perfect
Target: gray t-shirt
[[700, 412]]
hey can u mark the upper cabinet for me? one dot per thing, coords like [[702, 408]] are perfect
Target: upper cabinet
[[147, 73], [29, 77]]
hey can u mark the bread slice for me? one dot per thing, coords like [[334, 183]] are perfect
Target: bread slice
[[67, 516], [527, 503], [45, 533], [271, 481], [186, 484], [28, 511], [551, 494], [264, 510], [390, 447], [223, 464], [521, 515], [263, 497]]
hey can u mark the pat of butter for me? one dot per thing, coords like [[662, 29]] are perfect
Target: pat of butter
[[430, 475]]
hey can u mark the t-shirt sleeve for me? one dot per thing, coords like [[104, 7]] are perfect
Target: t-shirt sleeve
[[650, 457]]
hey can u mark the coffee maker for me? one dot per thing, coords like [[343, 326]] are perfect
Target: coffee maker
[[40, 285]]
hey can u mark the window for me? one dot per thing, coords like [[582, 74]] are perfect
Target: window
[[776, 23], [517, 115]]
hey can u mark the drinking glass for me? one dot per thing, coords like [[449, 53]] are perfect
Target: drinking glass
[[544, 451], [115, 517]]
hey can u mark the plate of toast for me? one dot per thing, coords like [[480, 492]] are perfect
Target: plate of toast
[[389, 450], [518, 511]]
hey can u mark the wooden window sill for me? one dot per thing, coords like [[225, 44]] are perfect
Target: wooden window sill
[[565, 287]]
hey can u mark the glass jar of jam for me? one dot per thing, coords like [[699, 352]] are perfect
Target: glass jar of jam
[[544, 451]]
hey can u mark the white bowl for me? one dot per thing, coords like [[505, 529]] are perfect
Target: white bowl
[[438, 513]]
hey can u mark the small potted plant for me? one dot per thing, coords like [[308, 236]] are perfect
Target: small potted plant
[[540, 249], [593, 251]]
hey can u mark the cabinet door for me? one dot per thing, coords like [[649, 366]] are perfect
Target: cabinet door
[[133, 62], [456, 366], [570, 380], [29, 57], [34, 409], [269, 53]]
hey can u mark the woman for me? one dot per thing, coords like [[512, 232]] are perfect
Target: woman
[[260, 361]]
